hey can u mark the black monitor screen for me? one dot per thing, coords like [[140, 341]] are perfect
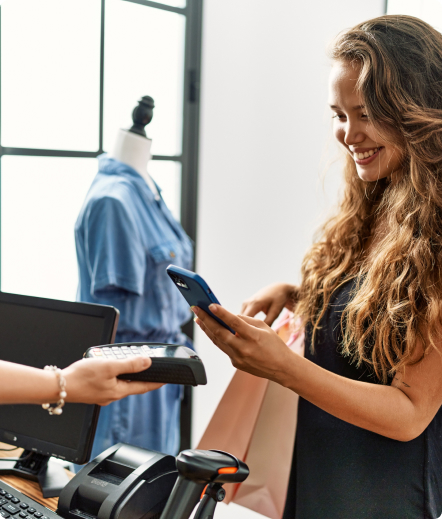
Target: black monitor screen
[[37, 332]]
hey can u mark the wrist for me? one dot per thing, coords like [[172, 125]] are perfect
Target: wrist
[[70, 383], [56, 409], [50, 385], [288, 373]]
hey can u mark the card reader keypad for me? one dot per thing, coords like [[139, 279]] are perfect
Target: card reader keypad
[[123, 352]]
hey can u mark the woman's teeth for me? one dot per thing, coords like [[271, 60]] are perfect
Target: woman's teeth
[[367, 154]]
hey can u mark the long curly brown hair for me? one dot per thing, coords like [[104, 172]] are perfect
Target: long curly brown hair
[[397, 300]]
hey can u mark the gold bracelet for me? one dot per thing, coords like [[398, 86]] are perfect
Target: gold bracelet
[[62, 395]]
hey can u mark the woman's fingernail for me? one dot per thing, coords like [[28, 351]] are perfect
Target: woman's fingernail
[[213, 308], [194, 309]]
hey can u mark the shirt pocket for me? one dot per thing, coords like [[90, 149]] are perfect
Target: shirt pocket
[[166, 251], [162, 256]]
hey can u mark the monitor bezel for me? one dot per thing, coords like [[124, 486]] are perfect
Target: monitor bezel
[[83, 451]]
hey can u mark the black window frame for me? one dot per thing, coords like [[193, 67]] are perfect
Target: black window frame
[[190, 142]]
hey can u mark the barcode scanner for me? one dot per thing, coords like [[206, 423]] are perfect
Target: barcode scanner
[[201, 476]]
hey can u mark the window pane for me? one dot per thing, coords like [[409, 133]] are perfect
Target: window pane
[[50, 70], [144, 55], [167, 174], [40, 201], [428, 10]]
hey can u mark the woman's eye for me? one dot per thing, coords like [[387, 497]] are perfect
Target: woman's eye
[[364, 116], [340, 117]]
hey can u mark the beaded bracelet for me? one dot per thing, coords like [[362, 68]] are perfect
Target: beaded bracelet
[[62, 395]]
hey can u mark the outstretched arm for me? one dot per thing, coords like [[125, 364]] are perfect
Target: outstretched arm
[[88, 381], [400, 411]]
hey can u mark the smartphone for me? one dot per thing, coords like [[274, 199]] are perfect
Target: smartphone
[[195, 290]]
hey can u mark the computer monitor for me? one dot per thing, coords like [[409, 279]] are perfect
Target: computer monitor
[[37, 331]]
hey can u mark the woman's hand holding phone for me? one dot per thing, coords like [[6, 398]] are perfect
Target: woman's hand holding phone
[[255, 347], [250, 343]]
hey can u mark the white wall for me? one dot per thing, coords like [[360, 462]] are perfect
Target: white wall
[[265, 140]]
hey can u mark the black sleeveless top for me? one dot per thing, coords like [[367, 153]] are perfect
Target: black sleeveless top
[[340, 471]]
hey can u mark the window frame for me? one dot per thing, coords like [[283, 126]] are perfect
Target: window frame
[[190, 142]]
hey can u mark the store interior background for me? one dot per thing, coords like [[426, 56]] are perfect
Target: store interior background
[[268, 167]]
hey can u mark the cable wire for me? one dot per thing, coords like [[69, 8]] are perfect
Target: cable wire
[[16, 459]]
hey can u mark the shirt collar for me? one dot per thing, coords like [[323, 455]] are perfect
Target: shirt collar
[[111, 166]]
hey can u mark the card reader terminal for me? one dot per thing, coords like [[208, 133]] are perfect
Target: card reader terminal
[[171, 364]]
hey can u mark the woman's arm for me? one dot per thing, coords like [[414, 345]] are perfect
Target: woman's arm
[[88, 381], [401, 411]]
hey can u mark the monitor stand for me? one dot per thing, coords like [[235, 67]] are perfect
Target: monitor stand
[[51, 476]]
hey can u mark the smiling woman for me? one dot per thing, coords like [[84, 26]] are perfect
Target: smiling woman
[[374, 156], [368, 443]]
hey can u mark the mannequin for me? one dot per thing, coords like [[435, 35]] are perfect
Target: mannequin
[[132, 147], [125, 237]]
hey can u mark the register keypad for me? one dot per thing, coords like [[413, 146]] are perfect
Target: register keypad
[[17, 505], [11, 509]]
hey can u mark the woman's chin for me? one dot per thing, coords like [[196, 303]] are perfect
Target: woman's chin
[[371, 176]]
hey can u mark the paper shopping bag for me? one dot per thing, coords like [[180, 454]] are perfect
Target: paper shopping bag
[[233, 422], [256, 422], [269, 457], [270, 452]]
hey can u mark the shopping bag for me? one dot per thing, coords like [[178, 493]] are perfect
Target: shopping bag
[[256, 421], [270, 452], [233, 422]]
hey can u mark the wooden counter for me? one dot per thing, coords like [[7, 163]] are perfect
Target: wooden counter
[[28, 487]]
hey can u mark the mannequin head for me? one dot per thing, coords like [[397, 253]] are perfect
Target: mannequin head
[[132, 146], [132, 149]]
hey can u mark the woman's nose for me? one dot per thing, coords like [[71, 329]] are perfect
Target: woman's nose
[[353, 134]]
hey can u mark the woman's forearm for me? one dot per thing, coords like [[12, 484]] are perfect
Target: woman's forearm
[[401, 414], [382, 409], [25, 385]]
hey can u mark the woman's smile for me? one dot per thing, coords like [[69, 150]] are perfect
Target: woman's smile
[[364, 156]]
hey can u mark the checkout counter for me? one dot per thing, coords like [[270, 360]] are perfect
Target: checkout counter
[[28, 487]]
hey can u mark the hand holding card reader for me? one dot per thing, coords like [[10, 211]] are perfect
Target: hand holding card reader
[[171, 364]]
